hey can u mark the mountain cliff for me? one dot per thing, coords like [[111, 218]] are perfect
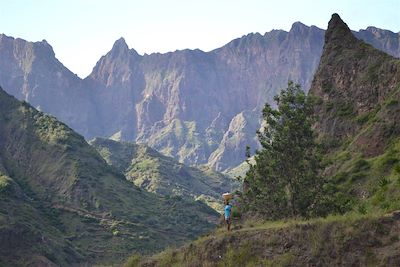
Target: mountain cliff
[[30, 71], [62, 204], [199, 107]]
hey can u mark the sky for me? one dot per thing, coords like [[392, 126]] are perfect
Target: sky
[[81, 31]]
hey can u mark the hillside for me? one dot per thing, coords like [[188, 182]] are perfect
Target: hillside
[[358, 92], [62, 204], [163, 175], [198, 107], [335, 241]]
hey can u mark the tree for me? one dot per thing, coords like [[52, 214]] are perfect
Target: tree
[[284, 181]]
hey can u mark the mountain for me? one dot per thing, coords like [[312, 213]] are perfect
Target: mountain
[[383, 40], [62, 204], [357, 93], [198, 107], [30, 71], [163, 175], [201, 107], [357, 88]]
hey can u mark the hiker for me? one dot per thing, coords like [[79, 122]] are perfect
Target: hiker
[[228, 211]]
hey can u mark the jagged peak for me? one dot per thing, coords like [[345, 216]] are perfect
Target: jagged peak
[[338, 30], [120, 44], [298, 26]]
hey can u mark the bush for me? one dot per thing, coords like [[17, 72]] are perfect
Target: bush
[[133, 261]]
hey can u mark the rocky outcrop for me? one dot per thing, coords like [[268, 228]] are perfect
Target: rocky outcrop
[[182, 103], [357, 91], [354, 81]]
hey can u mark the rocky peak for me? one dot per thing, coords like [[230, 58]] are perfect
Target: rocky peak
[[352, 82], [117, 62], [43, 48], [338, 32], [299, 28], [119, 48]]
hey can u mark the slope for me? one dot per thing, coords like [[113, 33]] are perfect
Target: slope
[[163, 175], [358, 92], [334, 241], [69, 206]]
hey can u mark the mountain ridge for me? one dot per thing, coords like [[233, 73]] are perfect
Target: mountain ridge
[[356, 90], [153, 98]]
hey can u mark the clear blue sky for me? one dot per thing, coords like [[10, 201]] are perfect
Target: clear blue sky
[[81, 31]]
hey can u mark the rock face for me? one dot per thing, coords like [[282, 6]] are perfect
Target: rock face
[[197, 106], [358, 105], [62, 205], [31, 72], [187, 104], [353, 81], [383, 40]]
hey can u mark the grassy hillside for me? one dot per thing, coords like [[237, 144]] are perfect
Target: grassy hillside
[[61, 203], [352, 240], [163, 175]]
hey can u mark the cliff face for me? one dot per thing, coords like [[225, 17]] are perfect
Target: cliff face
[[186, 104], [383, 40], [355, 83], [195, 105], [31, 72]]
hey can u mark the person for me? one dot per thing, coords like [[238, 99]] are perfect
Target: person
[[227, 213]]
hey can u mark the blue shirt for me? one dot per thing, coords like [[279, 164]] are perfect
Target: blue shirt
[[227, 211]]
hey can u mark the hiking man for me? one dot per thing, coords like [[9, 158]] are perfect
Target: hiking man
[[227, 213]]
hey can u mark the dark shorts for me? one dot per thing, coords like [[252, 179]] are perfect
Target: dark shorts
[[227, 220]]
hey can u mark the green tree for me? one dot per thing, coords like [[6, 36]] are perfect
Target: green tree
[[284, 181]]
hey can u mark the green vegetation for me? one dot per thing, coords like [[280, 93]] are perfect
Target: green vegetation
[[284, 180], [4, 182], [358, 94], [320, 241], [69, 207], [163, 175]]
